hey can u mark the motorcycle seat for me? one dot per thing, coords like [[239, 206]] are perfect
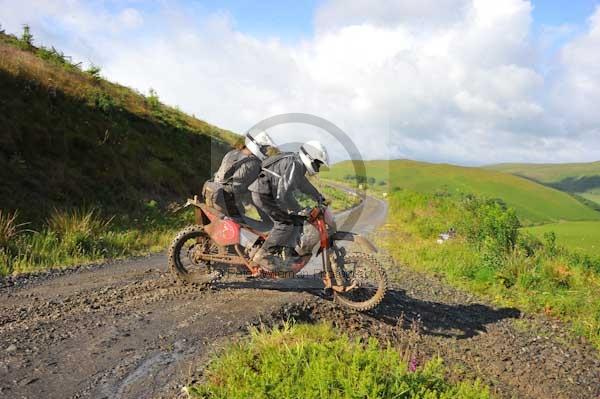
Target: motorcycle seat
[[257, 225]]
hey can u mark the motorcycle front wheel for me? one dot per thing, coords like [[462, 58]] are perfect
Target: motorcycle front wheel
[[370, 277]]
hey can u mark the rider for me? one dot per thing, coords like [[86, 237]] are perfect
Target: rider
[[239, 168], [281, 175]]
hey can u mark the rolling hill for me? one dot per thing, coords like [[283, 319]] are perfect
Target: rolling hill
[[68, 137], [534, 203], [577, 178]]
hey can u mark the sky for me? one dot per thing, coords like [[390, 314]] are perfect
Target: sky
[[461, 81]]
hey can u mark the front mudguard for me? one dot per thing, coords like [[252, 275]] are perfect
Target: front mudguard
[[363, 242]]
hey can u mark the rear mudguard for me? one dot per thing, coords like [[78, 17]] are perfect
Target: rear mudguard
[[364, 243]]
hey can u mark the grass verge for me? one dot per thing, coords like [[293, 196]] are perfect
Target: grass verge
[[492, 257], [79, 236], [317, 361]]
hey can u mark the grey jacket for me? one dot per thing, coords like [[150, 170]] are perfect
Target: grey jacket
[[247, 169], [281, 175]]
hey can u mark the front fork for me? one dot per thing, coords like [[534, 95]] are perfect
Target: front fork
[[333, 277]]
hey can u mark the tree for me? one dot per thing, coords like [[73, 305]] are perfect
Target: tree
[[27, 37]]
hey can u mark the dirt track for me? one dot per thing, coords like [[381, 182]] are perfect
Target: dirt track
[[126, 330]]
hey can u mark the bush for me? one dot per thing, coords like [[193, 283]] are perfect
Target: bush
[[26, 37], [103, 101], [317, 361], [153, 100], [52, 55], [94, 72], [490, 220]]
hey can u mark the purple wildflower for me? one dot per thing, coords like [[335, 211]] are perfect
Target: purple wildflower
[[413, 364]]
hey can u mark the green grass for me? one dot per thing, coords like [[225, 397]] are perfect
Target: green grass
[[81, 236], [531, 274], [578, 236], [534, 203], [317, 361]]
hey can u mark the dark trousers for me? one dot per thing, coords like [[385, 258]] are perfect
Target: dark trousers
[[286, 229], [234, 207]]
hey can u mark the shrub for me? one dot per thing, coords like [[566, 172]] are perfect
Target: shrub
[[490, 220], [26, 37], [153, 100], [52, 55], [103, 101], [94, 72]]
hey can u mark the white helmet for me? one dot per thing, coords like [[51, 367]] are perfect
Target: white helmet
[[312, 155], [258, 144]]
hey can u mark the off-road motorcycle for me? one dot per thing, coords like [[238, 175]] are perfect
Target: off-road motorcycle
[[217, 243]]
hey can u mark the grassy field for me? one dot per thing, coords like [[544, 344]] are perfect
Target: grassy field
[[578, 178], [534, 203], [583, 237], [318, 361]]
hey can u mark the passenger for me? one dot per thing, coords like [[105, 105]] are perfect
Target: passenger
[[239, 168]]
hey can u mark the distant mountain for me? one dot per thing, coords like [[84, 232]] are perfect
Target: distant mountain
[[578, 178], [534, 202], [69, 137]]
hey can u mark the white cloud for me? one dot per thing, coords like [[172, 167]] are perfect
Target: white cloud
[[577, 86], [453, 80]]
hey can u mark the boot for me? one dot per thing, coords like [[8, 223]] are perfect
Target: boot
[[267, 260]]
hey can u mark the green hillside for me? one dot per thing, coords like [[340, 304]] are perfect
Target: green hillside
[[534, 203], [68, 138], [578, 178], [549, 173]]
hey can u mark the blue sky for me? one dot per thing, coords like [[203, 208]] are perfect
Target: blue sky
[[558, 12], [293, 20]]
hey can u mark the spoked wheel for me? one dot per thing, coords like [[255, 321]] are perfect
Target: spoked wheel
[[370, 278], [183, 256]]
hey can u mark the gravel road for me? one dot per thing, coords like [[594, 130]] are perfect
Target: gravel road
[[126, 330]]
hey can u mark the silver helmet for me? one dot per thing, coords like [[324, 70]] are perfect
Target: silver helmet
[[313, 154], [258, 144]]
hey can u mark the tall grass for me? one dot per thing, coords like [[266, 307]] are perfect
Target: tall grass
[[492, 257], [9, 228], [77, 236], [317, 361]]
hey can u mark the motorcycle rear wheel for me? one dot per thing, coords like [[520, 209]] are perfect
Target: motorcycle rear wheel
[[182, 262], [371, 277]]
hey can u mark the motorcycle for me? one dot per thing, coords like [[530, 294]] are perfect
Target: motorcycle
[[217, 242]]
